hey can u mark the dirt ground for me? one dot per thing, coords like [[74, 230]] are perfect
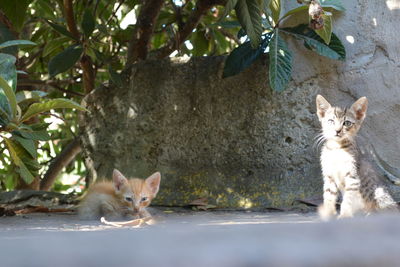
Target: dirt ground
[[192, 239]]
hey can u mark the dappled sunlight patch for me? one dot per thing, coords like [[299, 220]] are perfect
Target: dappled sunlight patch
[[393, 4], [254, 222], [132, 114], [136, 223], [245, 203], [350, 39], [374, 22], [267, 218]]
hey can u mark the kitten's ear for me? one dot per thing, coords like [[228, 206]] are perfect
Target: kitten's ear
[[322, 106], [119, 180], [153, 182], [360, 108]]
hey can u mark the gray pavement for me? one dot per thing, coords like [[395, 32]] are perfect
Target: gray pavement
[[202, 239]]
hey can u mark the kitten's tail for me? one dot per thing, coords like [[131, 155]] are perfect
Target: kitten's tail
[[391, 173], [384, 200]]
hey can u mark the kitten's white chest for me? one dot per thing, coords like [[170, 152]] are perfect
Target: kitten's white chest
[[336, 164]]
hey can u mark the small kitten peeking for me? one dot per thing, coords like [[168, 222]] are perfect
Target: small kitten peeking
[[343, 167], [119, 199]]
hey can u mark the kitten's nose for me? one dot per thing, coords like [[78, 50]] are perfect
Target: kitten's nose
[[338, 131]]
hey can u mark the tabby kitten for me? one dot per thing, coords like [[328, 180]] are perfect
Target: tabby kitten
[[344, 168], [121, 198]]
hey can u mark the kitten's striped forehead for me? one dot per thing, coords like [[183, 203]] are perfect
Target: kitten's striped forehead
[[339, 112]]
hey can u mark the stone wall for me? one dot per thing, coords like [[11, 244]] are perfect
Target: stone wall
[[233, 140], [368, 31]]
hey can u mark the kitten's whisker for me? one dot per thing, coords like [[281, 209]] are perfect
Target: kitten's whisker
[[319, 140]]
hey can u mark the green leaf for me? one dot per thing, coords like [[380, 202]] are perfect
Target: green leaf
[[27, 144], [8, 70], [337, 46], [61, 29], [275, 7], [15, 153], [230, 4], [335, 49], [200, 43], [42, 135], [6, 35], [65, 60], [335, 4], [10, 181], [103, 29], [226, 24], [249, 16], [91, 53], [46, 7], [9, 92], [326, 31], [280, 63], [241, 58], [115, 77], [30, 96], [36, 131], [37, 108], [220, 42], [265, 7], [15, 11], [267, 24], [54, 44], [4, 116], [159, 40], [39, 126], [8, 73], [15, 43], [99, 56], [88, 23], [295, 10]]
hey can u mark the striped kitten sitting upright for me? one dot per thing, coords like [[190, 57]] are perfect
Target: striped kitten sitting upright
[[344, 168]]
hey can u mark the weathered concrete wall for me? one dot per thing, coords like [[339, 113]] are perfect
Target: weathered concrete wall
[[233, 140], [371, 69]]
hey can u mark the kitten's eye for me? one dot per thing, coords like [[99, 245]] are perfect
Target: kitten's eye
[[347, 123], [129, 199], [143, 199], [331, 122]]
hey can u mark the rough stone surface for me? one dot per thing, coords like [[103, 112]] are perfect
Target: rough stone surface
[[367, 29], [233, 140]]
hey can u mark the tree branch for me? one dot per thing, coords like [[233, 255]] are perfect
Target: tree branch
[[69, 16], [115, 12], [202, 6], [178, 14], [85, 61], [6, 22], [139, 43], [54, 84], [88, 73], [229, 35], [62, 160]]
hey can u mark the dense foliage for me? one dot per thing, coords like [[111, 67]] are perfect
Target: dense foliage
[[74, 46], [261, 21]]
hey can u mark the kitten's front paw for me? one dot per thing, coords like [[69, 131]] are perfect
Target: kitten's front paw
[[344, 216], [131, 217], [346, 211], [326, 213], [144, 214]]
